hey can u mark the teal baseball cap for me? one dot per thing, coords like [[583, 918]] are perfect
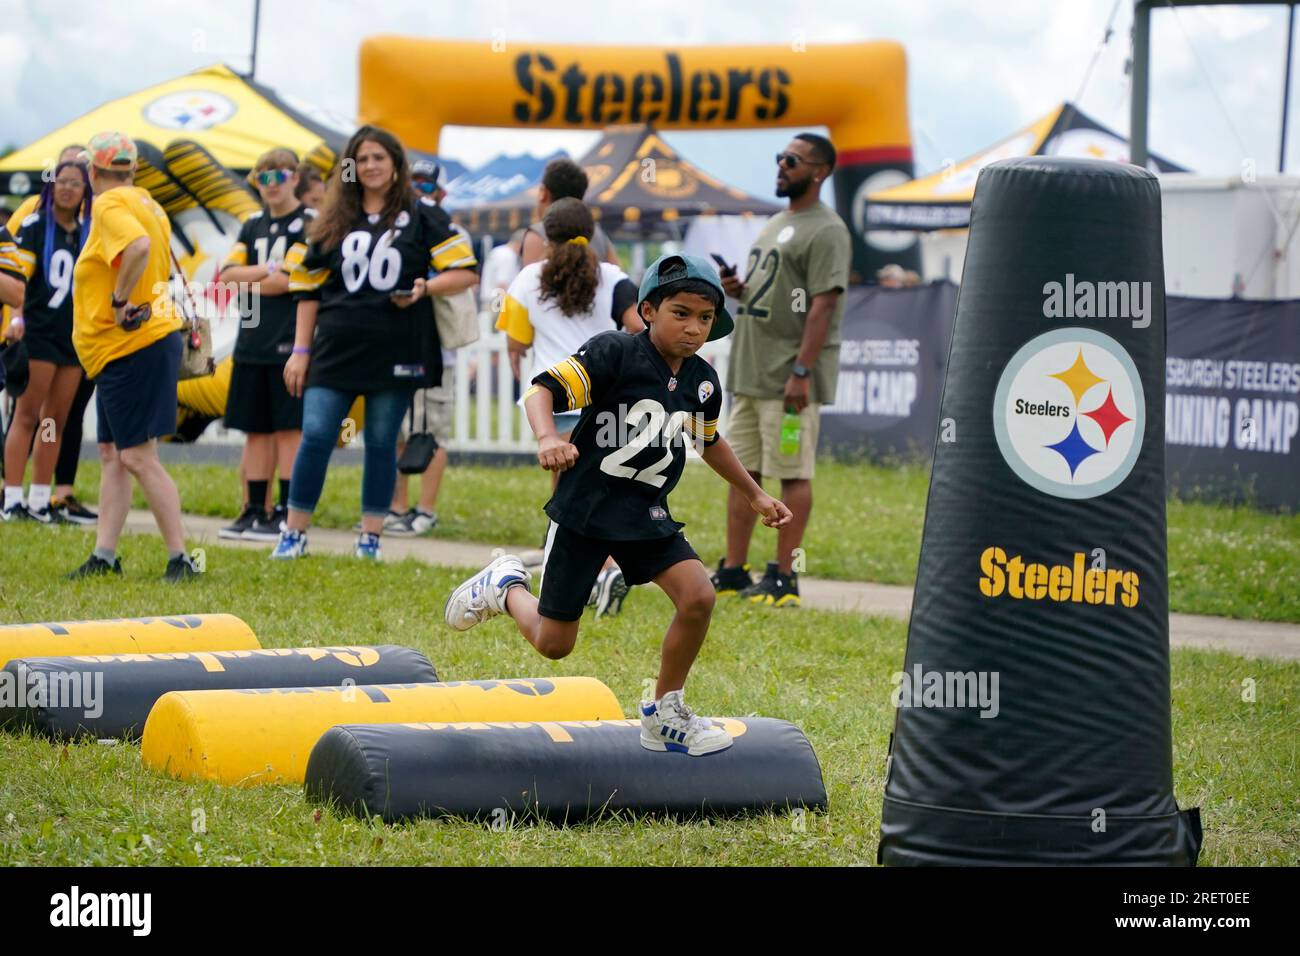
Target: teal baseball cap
[[678, 266]]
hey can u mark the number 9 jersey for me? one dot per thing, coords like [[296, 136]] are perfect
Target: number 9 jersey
[[631, 438], [47, 303], [363, 341]]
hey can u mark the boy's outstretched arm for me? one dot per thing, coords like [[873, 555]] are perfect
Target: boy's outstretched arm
[[553, 453], [723, 460]]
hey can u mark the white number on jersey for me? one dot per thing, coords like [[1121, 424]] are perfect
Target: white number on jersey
[[382, 267], [60, 276], [612, 464], [276, 253]]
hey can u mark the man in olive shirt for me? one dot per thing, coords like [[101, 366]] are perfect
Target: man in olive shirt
[[785, 357]]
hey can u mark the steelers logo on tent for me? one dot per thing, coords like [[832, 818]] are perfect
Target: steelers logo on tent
[[1068, 415], [190, 110]]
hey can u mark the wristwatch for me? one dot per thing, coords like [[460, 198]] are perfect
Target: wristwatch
[[799, 371]]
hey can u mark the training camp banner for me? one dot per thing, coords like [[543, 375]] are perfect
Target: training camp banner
[[1232, 408]]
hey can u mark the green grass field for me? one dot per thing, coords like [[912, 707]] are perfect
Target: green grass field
[[827, 672], [866, 526]]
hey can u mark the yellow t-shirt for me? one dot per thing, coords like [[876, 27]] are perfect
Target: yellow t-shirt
[[119, 217]]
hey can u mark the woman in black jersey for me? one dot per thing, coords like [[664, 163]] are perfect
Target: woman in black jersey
[[45, 248], [365, 324]]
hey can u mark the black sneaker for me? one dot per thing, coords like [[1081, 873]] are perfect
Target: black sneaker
[[280, 515], [610, 592], [180, 568], [46, 515], [72, 510], [244, 522], [775, 590], [96, 566], [264, 528], [731, 580], [17, 513], [398, 524]]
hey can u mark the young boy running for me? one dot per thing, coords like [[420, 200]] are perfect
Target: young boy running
[[639, 395]]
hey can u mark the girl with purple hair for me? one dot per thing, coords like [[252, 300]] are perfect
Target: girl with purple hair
[[45, 248]]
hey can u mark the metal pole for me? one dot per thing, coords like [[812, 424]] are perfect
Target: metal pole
[[1286, 86], [257, 16], [1137, 122]]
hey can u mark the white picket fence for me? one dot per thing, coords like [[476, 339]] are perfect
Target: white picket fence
[[487, 418]]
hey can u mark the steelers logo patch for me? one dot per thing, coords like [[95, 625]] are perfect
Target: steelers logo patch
[[1069, 413]]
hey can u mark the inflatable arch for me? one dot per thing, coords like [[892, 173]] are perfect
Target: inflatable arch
[[415, 87]]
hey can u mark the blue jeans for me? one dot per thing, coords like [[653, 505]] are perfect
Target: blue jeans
[[322, 414]]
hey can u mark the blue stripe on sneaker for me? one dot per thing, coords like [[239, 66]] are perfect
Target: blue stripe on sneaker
[[677, 748]]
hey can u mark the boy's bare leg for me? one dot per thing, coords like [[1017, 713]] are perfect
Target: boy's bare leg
[[553, 639], [431, 480], [688, 586], [401, 499]]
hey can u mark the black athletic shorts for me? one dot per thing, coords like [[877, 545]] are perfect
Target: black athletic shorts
[[574, 560], [135, 396], [47, 346], [259, 403]]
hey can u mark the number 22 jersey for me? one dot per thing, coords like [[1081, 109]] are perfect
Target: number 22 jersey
[[631, 436]]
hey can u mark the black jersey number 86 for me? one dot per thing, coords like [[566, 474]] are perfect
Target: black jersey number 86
[[382, 265]]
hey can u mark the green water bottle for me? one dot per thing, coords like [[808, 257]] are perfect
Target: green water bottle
[[790, 433]]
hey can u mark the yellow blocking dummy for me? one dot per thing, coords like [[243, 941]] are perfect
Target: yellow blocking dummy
[[265, 736], [128, 635]]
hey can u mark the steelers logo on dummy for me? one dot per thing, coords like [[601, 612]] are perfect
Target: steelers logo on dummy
[[1069, 413]]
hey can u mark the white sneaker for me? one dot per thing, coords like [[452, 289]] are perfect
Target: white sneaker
[[484, 595], [668, 724], [421, 522], [398, 524], [292, 544]]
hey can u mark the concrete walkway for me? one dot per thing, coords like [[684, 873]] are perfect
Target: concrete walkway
[[1246, 638]]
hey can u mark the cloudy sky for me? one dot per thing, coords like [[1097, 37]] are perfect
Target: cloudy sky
[[978, 71]]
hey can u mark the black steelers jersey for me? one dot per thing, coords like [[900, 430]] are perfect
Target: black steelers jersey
[[636, 416], [47, 302], [266, 331], [363, 341]]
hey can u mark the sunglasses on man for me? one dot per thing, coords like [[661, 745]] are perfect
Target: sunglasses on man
[[272, 177], [426, 186], [790, 160]]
